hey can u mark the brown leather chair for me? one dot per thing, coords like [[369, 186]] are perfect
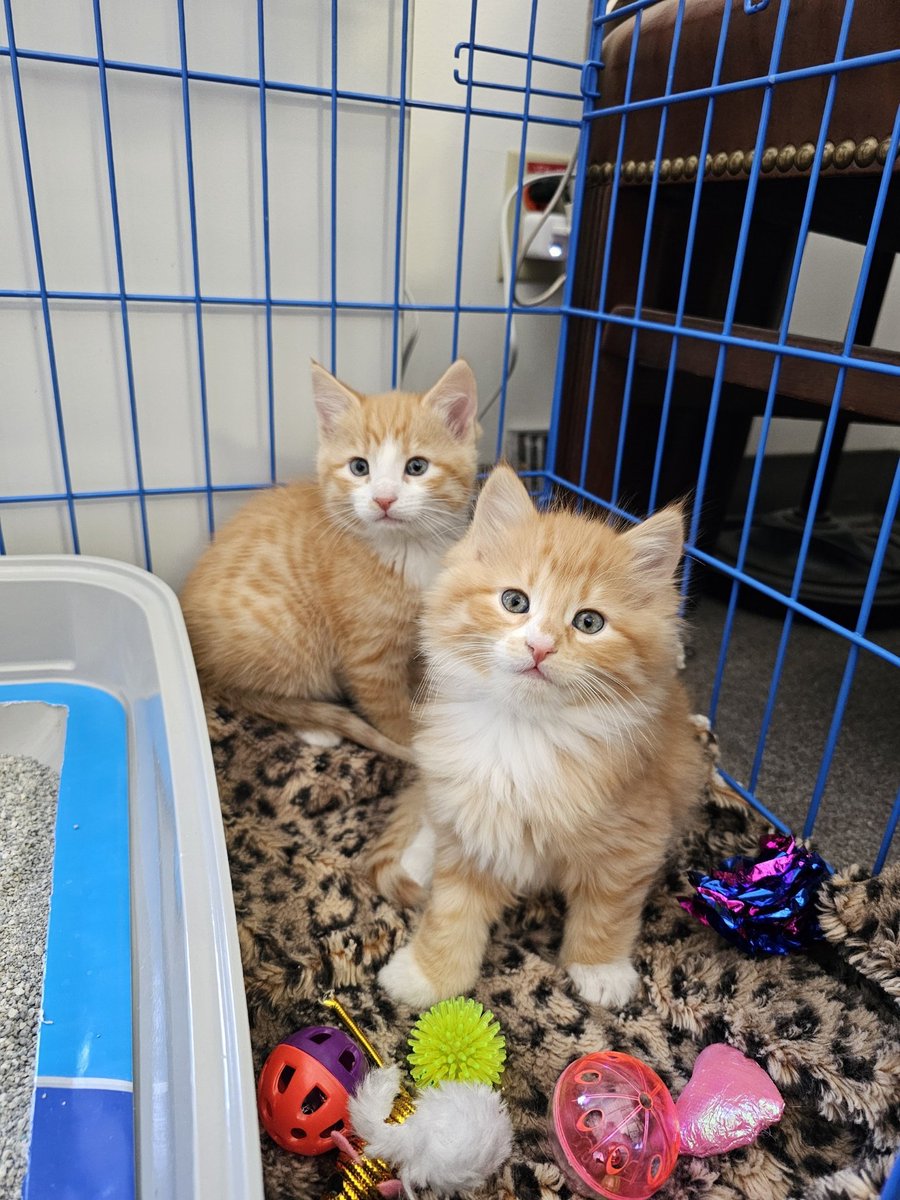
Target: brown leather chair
[[865, 106]]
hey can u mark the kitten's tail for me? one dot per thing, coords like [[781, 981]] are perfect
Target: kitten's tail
[[320, 714]]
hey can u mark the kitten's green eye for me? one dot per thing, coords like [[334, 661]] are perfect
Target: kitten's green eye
[[358, 466], [417, 466], [514, 601], [588, 621]]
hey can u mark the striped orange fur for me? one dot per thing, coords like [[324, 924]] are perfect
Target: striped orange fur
[[311, 593]]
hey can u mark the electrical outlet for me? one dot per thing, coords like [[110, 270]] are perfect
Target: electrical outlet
[[545, 236], [535, 164], [533, 270]]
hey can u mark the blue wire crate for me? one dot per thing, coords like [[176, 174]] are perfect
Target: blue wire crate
[[495, 83], [526, 90]]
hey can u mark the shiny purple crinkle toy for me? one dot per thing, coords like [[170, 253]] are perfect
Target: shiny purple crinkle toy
[[764, 905]]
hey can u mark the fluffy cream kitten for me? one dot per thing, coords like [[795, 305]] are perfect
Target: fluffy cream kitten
[[310, 594], [555, 746]]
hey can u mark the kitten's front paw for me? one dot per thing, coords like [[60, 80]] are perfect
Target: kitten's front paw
[[323, 738], [610, 984], [404, 981]]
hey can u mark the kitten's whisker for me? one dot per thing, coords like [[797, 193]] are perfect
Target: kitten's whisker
[[614, 687], [581, 689], [608, 702], [441, 665]]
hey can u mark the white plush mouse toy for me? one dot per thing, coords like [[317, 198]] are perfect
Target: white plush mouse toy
[[458, 1135]]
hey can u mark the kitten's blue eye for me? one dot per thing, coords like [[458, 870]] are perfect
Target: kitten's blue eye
[[514, 601], [588, 621], [358, 466], [417, 466]]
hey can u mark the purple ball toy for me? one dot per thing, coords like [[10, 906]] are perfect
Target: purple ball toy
[[305, 1085]]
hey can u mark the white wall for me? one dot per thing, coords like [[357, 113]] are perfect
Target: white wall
[[436, 147], [62, 105]]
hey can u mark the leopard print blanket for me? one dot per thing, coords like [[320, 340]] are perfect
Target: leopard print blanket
[[824, 1026]]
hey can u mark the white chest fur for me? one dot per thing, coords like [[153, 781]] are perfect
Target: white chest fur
[[494, 778], [416, 562]]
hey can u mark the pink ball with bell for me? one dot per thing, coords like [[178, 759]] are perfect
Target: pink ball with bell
[[614, 1127]]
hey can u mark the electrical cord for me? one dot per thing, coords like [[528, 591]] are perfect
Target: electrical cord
[[506, 265], [534, 301], [410, 344], [505, 269]]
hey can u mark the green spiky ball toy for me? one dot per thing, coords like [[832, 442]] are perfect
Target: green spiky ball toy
[[456, 1039]]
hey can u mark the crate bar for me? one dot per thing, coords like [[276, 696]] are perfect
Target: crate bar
[[883, 849], [333, 94], [688, 259], [757, 81], [553, 436], [259, 302], [753, 800], [565, 310], [186, 490], [583, 152], [120, 273], [267, 257], [892, 1186], [401, 170], [784, 329], [827, 435], [865, 609], [645, 254], [272, 85], [514, 255], [734, 288], [516, 88], [194, 489], [583, 155], [482, 48], [607, 250], [42, 278], [809, 354], [833, 360], [726, 569], [463, 183], [195, 265]]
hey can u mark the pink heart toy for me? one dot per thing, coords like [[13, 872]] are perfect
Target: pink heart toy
[[728, 1102]]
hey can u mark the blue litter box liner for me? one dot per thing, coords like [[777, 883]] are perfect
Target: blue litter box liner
[[82, 1141]]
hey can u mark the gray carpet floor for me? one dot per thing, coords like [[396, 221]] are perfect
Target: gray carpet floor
[[865, 773]]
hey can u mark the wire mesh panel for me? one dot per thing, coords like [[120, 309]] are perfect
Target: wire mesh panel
[[195, 201], [719, 140]]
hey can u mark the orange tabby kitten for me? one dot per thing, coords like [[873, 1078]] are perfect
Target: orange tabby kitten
[[555, 746], [311, 593]]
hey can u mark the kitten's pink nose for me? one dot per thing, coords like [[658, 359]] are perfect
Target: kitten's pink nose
[[541, 647], [385, 502]]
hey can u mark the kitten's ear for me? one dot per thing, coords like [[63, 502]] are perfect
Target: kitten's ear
[[502, 503], [455, 399], [657, 543], [332, 399]]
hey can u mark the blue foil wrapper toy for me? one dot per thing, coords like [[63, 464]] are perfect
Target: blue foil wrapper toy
[[764, 905]]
